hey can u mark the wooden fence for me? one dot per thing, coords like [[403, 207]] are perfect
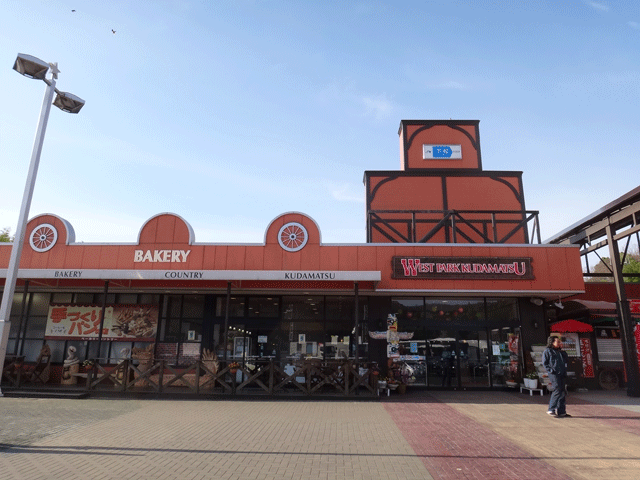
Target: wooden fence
[[266, 377]]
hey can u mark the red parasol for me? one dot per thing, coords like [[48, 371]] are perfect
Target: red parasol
[[571, 326]]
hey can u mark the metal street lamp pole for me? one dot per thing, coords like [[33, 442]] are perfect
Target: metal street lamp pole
[[22, 66]]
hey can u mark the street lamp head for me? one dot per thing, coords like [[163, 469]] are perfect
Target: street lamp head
[[31, 66], [68, 102]]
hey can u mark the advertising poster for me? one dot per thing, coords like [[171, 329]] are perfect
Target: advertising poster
[[587, 358], [121, 322]]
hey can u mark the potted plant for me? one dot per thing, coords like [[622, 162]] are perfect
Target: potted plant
[[233, 367], [531, 380], [392, 383]]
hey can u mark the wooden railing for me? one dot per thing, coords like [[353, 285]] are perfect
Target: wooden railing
[[265, 377], [453, 226]]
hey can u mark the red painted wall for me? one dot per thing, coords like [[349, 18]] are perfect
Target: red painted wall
[[461, 185], [555, 267]]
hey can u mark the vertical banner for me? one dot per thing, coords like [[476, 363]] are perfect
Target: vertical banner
[[636, 333], [587, 358]]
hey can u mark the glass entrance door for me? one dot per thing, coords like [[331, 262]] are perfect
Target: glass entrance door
[[441, 358], [457, 358], [506, 357], [473, 358]]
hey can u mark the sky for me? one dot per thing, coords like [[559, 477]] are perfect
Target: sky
[[231, 113]]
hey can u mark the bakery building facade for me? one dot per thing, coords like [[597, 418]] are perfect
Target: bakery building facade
[[449, 290]]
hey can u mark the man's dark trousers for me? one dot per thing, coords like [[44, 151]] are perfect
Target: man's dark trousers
[[558, 400]]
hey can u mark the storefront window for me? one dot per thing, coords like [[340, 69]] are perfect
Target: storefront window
[[236, 306], [502, 311], [408, 363], [338, 341], [410, 309], [13, 331], [57, 350], [193, 306], [340, 309], [306, 340], [16, 306], [263, 307], [149, 299], [173, 306], [119, 351], [39, 304], [459, 311], [31, 349], [36, 327], [66, 298], [127, 298], [99, 298], [302, 308], [82, 298]]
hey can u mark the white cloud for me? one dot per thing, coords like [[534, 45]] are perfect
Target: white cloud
[[343, 193], [598, 6], [450, 85], [635, 25], [380, 107]]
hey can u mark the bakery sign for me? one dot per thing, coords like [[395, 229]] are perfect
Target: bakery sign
[[463, 268]]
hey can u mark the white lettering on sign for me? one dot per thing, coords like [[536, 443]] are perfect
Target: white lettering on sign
[[161, 256]]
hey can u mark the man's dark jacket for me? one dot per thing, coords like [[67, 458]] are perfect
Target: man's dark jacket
[[555, 361]]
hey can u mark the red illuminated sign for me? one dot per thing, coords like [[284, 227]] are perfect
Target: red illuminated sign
[[471, 268]]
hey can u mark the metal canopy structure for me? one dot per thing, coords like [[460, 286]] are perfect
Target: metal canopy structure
[[606, 227]]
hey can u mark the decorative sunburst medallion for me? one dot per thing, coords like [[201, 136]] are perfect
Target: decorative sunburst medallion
[[43, 237], [293, 237]]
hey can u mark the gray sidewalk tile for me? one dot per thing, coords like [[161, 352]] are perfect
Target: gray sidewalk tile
[[422, 435]]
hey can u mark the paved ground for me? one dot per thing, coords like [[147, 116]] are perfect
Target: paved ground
[[439, 435]]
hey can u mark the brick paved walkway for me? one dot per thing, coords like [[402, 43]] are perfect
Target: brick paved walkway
[[452, 445], [440, 435], [217, 439], [501, 435]]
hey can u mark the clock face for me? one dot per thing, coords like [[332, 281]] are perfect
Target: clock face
[[293, 237], [43, 237]]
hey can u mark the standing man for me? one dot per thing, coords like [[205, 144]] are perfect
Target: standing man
[[555, 362]]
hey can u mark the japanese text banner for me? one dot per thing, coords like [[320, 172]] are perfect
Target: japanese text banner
[[82, 322]]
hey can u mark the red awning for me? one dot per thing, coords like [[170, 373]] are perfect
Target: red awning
[[571, 326]]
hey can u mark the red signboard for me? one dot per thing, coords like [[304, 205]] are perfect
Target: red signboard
[[587, 358], [463, 268]]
